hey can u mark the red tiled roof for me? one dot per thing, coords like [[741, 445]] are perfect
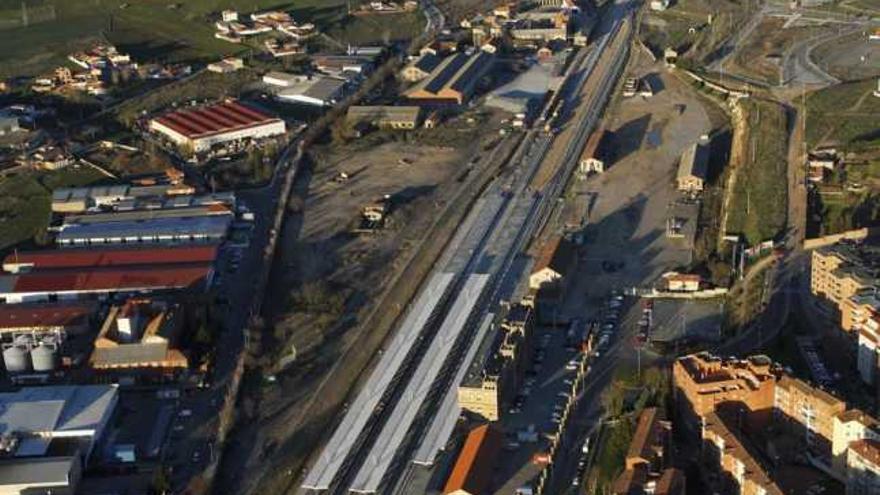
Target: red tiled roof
[[472, 471], [86, 258], [166, 276], [43, 315], [214, 119]]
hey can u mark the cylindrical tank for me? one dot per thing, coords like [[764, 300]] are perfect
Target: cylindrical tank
[[16, 359], [43, 357]]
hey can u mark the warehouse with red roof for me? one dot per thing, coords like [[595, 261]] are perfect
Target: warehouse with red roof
[[43, 318], [203, 127], [18, 262], [101, 282]]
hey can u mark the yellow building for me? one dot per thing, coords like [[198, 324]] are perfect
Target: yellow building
[[841, 271]]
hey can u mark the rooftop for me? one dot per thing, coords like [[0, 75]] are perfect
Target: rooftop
[[128, 278], [694, 162], [214, 119], [75, 409], [318, 87], [25, 316], [111, 256], [40, 470], [148, 214], [472, 470], [211, 226], [384, 113]]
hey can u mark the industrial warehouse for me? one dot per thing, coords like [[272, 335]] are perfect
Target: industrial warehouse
[[199, 129]]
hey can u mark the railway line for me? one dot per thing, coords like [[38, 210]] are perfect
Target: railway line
[[401, 415]]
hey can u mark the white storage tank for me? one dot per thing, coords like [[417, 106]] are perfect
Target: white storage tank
[[44, 357], [16, 359]]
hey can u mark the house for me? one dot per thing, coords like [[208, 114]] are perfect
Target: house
[[472, 472], [693, 168], [553, 263], [591, 160], [821, 162], [421, 67]]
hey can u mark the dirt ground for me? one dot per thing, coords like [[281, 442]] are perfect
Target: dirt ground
[[761, 55], [849, 58]]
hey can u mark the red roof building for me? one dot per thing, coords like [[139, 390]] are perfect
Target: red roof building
[[472, 472], [66, 317], [107, 257], [205, 126], [71, 283]]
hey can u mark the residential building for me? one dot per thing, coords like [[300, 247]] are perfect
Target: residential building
[[646, 460], [454, 80], [421, 67], [35, 421], [199, 129], [809, 413], [591, 159], [553, 262], [140, 335], [497, 371], [386, 117], [843, 270], [745, 388], [693, 168], [226, 66], [738, 391], [741, 470], [472, 472], [851, 426], [40, 475], [863, 468]]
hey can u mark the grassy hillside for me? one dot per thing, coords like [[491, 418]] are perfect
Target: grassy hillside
[[35, 35]]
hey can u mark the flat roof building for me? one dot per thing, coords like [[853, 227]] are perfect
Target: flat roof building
[[200, 229], [38, 416], [204, 127], [313, 90], [147, 215], [454, 80], [40, 475]]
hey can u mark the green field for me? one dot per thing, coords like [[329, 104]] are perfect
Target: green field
[[24, 202], [38, 36], [845, 115], [760, 195]]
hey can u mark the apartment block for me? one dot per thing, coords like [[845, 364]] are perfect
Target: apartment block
[[863, 468], [739, 468], [808, 411], [841, 271], [647, 460], [492, 379], [744, 388], [739, 391]]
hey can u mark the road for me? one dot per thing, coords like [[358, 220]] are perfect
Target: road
[[369, 450], [436, 21]]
